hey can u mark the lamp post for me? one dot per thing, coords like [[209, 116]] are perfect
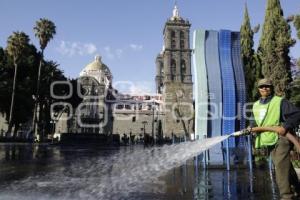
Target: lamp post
[[144, 123], [153, 135], [130, 133], [52, 122]]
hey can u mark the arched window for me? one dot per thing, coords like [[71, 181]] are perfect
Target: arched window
[[181, 44], [173, 40], [181, 35], [181, 39], [182, 68], [172, 34], [173, 69], [161, 68]]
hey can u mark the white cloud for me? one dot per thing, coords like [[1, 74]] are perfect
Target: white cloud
[[134, 88], [112, 54], [140, 90], [76, 48], [108, 52], [117, 53], [90, 48], [136, 47]]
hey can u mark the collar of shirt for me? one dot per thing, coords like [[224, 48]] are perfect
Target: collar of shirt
[[265, 100]]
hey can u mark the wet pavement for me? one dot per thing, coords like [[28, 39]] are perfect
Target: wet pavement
[[54, 172]]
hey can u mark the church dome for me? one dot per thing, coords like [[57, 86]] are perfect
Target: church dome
[[98, 70], [96, 65]]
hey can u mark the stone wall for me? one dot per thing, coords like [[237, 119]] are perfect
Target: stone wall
[[3, 123], [134, 122]]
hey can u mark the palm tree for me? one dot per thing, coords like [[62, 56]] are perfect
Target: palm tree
[[44, 30], [16, 44]]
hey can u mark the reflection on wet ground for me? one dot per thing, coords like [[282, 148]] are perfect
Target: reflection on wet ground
[[53, 172]]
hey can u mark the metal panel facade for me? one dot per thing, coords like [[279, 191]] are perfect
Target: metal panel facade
[[239, 78], [239, 81], [214, 83], [214, 94], [228, 85], [201, 94]]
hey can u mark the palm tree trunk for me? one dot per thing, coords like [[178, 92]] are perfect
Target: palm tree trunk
[[12, 104], [17, 126], [36, 111]]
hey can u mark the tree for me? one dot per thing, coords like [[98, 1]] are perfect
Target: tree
[[248, 55], [44, 31], [3, 81], [50, 74], [294, 90], [274, 47], [295, 85], [24, 87], [16, 45], [258, 75], [297, 26], [5, 84]]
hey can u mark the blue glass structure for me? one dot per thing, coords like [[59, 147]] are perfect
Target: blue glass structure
[[239, 79], [201, 94], [220, 83], [214, 83], [228, 85], [214, 93]]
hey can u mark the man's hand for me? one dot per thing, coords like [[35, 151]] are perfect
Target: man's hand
[[281, 131], [246, 131], [278, 129]]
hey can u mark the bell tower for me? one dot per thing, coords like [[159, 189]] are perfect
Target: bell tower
[[174, 78]]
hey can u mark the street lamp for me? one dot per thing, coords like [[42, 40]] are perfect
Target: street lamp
[[144, 123], [153, 135]]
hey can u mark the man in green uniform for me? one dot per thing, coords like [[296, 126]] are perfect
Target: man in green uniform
[[268, 111]]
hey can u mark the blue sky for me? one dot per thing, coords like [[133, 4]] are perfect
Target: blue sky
[[126, 33]]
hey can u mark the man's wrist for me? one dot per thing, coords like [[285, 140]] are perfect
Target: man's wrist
[[250, 130], [282, 131]]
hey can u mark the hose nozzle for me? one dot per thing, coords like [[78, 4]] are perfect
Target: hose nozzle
[[236, 134], [241, 133]]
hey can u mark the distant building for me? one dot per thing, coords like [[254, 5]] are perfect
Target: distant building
[[174, 77], [105, 111], [169, 112]]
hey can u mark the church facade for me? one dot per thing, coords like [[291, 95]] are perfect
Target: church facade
[[174, 77], [168, 113]]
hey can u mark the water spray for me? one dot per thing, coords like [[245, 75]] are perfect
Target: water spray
[[245, 132]]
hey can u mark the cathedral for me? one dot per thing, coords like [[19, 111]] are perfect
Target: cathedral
[[174, 77], [166, 115]]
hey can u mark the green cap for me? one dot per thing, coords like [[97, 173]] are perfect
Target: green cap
[[264, 81]]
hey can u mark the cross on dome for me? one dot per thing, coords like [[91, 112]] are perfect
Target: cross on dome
[[98, 58]]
